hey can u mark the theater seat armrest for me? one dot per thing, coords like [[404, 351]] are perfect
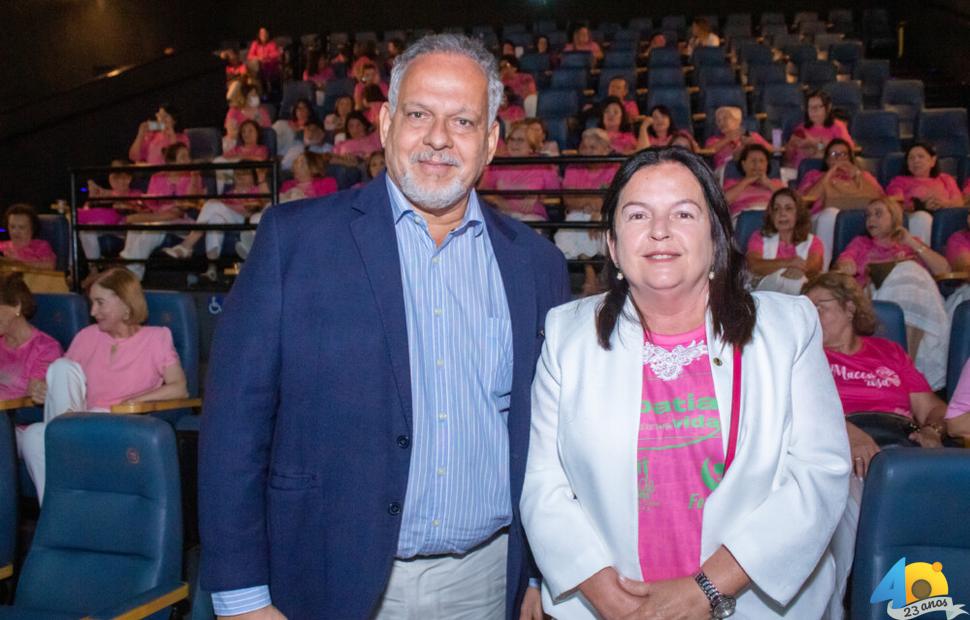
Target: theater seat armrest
[[6, 571], [145, 604], [151, 406], [16, 403], [958, 276]]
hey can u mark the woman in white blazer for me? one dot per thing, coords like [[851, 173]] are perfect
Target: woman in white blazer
[[762, 550]]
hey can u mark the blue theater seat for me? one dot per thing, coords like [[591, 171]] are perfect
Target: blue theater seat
[[945, 223], [109, 539], [959, 351], [176, 311], [55, 230], [8, 497], [891, 323], [748, 223], [205, 143], [876, 132], [905, 98]]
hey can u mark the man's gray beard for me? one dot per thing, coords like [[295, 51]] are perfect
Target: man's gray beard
[[432, 200]]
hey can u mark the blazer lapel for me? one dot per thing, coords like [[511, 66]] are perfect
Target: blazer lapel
[[376, 241]]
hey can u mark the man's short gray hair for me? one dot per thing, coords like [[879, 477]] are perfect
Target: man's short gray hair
[[457, 44]]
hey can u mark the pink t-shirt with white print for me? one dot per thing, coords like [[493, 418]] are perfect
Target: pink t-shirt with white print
[[680, 457]]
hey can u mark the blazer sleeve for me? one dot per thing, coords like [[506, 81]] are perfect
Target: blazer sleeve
[[237, 426], [780, 542], [566, 546]]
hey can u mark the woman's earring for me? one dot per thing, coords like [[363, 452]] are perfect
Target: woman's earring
[[619, 274], [710, 274]]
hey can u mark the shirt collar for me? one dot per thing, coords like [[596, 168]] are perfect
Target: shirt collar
[[401, 206]]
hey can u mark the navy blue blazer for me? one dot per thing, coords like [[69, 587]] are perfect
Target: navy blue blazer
[[305, 441]]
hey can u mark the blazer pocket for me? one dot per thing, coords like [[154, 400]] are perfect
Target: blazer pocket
[[292, 482]]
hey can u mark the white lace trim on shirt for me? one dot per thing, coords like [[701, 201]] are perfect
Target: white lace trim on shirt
[[667, 365]]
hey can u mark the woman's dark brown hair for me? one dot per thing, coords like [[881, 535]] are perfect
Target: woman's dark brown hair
[[845, 289], [803, 217], [22, 208], [732, 307], [14, 291]]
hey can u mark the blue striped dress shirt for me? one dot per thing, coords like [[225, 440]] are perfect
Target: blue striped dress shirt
[[460, 351]]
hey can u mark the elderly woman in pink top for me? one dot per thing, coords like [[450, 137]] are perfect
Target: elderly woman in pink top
[[923, 189], [529, 177], [820, 127], [731, 136], [754, 189], [361, 140], [657, 128], [140, 244], [25, 351], [117, 360], [911, 264], [24, 246], [264, 56], [614, 120], [155, 135], [784, 253], [581, 41]]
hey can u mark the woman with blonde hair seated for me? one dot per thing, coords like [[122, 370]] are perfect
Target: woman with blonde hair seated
[[116, 360], [899, 268], [784, 253]]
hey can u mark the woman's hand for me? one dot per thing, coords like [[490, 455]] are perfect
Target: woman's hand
[[862, 447], [37, 390], [927, 437], [673, 599], [933, 204], [611, 601]]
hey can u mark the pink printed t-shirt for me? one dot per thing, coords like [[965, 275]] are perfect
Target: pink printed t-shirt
[[164, 184], [680, 456], [878, 377], [941, 187], [255, 152], [36, 251], [28, 361], [822, 135], [359, 147], [756, 243], [754, 196], [726, 153], [239, 116], [137, 364], [154, 143], [864, 250], [623, 141], [957, 246], [320, 186], [584, 177], [522, 177], [522, 84]]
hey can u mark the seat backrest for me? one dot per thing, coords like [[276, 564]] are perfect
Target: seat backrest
[[557, 102], [873, 72], [662, 77], [816, 73], [268, 137], [734, 30], [846, 52], [582, 60], [111, 527], [177, 312], [204, 142], [913, 507], [908, 93], [619, 59], [570, 77], [755, 54], [808, 164], [876, 132], [664, 57], [557, 129], [787, 95], [60, 315], [945, 223], [760, 76], [945, 129], [715, 75], [801, 53], [849, 224], [293, 91], [533, 63], [890, 322], [713, 97], [608, 74], [748, 222], [55, 231], [959, 351], [709, 57], [643, 25], [8, 492], [772, 17], [892, 166], [676, 99]]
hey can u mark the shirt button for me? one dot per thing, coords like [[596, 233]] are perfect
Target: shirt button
[[403, 441], [439, 362], [442, 415], [436, 522], [394, 509], [436, 260], [437, 311], [441, 471]]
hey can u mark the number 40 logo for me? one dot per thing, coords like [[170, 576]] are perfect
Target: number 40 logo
[[915, 589]]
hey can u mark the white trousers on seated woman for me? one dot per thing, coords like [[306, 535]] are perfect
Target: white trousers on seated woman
[[216, 212], [921, 225], [247, 237], [911, 286], [823, 226], [140, 245], [67, 390], [778, 283]]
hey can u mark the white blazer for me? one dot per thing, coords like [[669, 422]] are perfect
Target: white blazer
[[776, 507]]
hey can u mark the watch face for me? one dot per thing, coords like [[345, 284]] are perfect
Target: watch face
[[724, 607]]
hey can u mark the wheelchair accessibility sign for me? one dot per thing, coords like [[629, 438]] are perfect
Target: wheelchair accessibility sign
[[914, 590]]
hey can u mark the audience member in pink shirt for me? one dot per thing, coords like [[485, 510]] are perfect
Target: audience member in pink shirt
[[250, 145], [614, 120], [374, 99], [361, 140], [264, 57], [619, 88], [784, 254], [336, 121], [154, 136], [527, 177], [308, 178], [24, 246], [522, 84], [958, 248], [245, 105], [958, 411], [657, 128], [732, 137], [871, 374], [369, 75], [580, 41], [754, 189], [117, 360], [820, 127], [119, 185], [538, 134], [25, 351], [318, 69], [509, 110], [923, 189]]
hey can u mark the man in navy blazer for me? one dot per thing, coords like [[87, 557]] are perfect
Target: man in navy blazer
[[323, 377]]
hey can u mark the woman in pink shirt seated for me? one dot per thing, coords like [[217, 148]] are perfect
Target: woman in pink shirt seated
[[657, 128], [784, 254], [614, 120], [534, 177], [958, 248], [900, 268], [581, 41], [25, 351], [361, 140], [24, 247], [245, 105], [619, 88], [754, 189], [290, 131], [522, 84], [308, 178], [155, 135], [923, 189], [250, 145], [871, 374], [139, 245], [731, 136], [117, 360], [538, 134], [264, 56], [820, 127]]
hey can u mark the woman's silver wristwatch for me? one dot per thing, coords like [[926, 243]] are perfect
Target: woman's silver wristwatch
[[722, 605]]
